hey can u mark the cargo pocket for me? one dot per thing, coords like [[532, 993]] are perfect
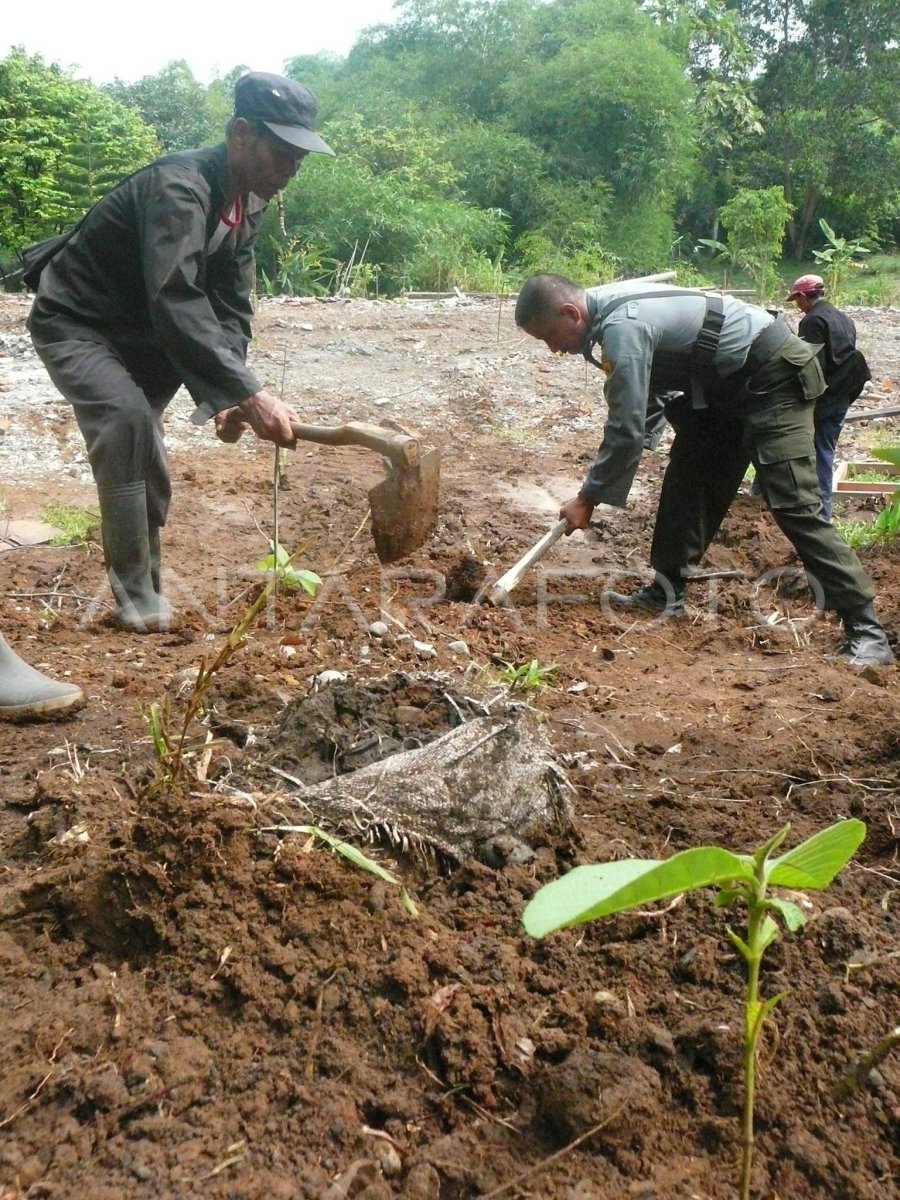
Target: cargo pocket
[[779, 441], [790, 484], [805, 357]]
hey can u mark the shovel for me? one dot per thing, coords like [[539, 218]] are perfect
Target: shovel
[[405, 504]]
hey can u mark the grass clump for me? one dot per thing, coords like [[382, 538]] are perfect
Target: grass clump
[[882, 530], [74, 524], [526, 677]]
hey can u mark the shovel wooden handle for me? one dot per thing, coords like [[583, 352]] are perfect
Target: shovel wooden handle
[[500, 591], [400, 448]]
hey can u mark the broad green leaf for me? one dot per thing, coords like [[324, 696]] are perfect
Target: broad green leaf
[[601, 889], [308, 580], [889, 454], [815, 862], [794, 918]]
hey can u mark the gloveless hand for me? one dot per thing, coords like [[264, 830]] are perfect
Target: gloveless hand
[[577, 512], [230, 425], [270, 418]]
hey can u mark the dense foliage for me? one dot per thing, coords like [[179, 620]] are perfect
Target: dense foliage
[[63, 143], [481, 139]]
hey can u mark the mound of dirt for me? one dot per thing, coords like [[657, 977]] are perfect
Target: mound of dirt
[[193, 1005]]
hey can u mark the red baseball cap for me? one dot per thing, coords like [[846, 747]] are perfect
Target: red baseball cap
[[807, 285]]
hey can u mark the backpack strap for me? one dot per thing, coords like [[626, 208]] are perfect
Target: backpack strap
[[704, 349]]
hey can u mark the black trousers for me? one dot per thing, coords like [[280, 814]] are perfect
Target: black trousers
[[773, 429], [120, 421]]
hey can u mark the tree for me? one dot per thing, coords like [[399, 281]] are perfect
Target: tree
[[455, 52], [61, 142], [829, 91], [755, 222], [174, 104], [713, 41], [606, 101]]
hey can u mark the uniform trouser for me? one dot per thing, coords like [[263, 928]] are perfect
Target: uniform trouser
[[655, 421], [121, 423], [829, 421], [709, 457]]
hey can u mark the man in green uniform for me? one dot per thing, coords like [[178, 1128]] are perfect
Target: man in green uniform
[[152, 290], [749, 387]]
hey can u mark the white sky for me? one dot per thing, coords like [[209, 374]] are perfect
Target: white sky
[[100, 39]]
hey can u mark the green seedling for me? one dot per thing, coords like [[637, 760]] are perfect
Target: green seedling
[[353, 854], [277, 564], [74, 524], [526, 677], [601, 889], [174, 742]]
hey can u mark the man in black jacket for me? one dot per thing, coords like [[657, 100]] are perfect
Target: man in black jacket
[[152, 291], [844, 367]]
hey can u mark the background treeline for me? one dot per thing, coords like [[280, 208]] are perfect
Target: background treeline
[[479, 140]]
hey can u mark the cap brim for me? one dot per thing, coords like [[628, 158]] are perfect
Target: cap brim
[[794, 296], [303, 139]]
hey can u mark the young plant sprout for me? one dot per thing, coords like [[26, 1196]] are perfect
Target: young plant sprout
[[526, 676], [277, 563], [352, 854], [173, 742], [601, 889]]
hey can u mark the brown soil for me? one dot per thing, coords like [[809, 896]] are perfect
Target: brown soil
[[193, 1007]]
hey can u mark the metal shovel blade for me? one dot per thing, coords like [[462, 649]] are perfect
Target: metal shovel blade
[[405, 507]]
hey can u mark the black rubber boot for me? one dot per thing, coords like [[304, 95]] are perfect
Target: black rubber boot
[[661, 598], [866, 642], [127, 553], [27, 695]]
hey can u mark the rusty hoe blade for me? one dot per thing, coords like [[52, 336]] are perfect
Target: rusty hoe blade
[[405, 507], [405, 504]]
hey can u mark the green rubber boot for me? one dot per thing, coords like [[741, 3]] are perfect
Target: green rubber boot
[[129, 560], [27, 695]]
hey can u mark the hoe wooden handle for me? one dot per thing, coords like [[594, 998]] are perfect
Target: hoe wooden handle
[[400, 448], [499, 592]]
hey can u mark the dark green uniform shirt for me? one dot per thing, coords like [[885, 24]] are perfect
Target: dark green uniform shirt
[[137, 275]]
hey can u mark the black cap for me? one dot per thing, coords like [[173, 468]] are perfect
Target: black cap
[[287, 108]]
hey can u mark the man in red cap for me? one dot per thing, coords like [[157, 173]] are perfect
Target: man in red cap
[[151, 290], [844, 367]]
